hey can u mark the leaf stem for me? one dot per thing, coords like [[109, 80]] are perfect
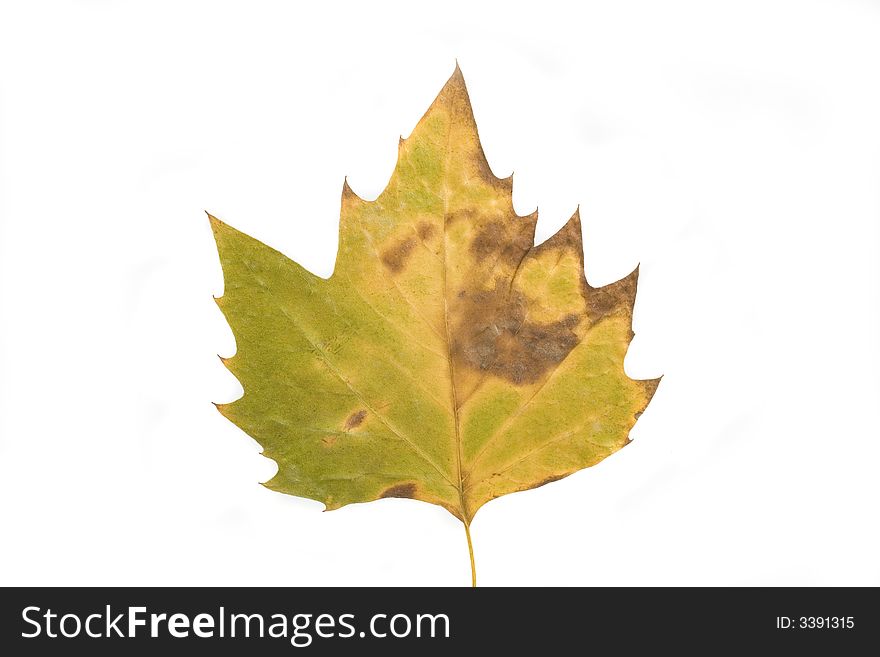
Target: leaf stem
[[467, 532]]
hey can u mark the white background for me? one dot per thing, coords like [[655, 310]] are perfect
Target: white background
[[733, 148]]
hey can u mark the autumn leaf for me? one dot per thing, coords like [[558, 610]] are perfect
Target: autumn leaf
[[447, 359]]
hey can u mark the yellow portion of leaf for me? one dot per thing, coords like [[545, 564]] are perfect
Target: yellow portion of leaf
[[447, 359]]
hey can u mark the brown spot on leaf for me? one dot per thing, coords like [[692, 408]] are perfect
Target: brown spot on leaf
[[355, 419], [400, 490], [550, 480], [395, 257], [495, 242], [425, 231], [488, 240], [602, 301], [494, 336]]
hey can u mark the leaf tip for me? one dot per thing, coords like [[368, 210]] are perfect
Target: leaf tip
[[456, 80], [348, 194], [619, 296], [217, 227], [531, 217], [651, 386], [568, 238], [330, 504], [575, 219]]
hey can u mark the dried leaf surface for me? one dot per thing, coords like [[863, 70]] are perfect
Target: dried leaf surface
[[447, 359]]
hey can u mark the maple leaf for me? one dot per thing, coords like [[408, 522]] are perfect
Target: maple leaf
[[447, 359]]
